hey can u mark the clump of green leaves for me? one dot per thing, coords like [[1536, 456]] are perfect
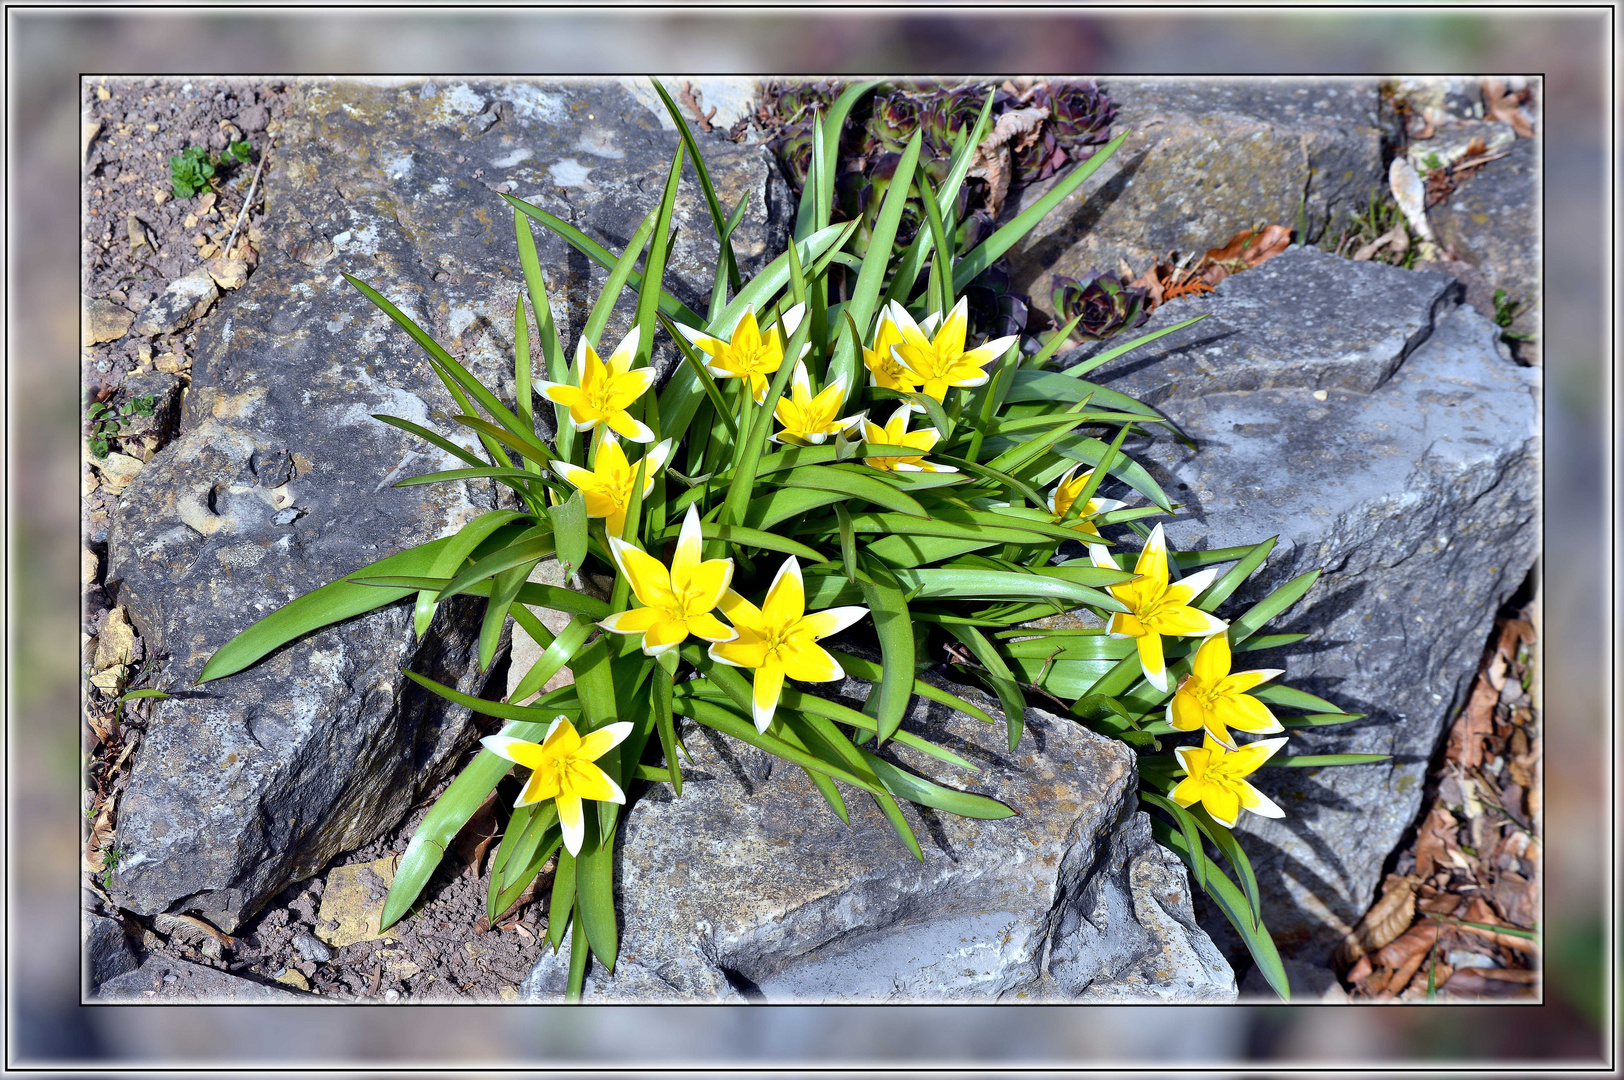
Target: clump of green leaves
[[192, 170], [925, 493], [106, 422], [1506, 310], [1379, 218]]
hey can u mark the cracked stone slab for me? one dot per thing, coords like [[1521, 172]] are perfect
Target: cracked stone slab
[[1303, 319], [1418, 500], [280, 479], [750, 888], [1204, 160]]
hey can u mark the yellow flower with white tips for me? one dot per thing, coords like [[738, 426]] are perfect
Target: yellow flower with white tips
[[607, 486], [896, 433], [780, 640], [1211, 698], [603, 392], [1065, 494], [934, 354], [1156, 606], [676, 602], [562, 769], [1216, 778], [749, 353], [884, 369], [809, 419]]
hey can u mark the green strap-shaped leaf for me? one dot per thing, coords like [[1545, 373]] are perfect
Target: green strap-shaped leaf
[[569, 531], [594, 890], [1220, 590], [812, 213], [725, 720], [1270, 606], [988, 251], [917, 789], [1077, 371], [757, 538], [504, 587], [869, 671], [866, 293], [445, 818], [524, 550], [1234, 905], [332, 603], [998, 674], [1186, 823], [556, 651], [453, 555], [888, 607], [725, 256], [1322, 761], [432, 438], [595, 251], [854, 485], [562, 902]]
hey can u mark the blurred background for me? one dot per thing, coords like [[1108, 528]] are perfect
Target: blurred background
[[50, 50]]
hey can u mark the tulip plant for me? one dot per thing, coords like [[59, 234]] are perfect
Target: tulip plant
[[815, 484]]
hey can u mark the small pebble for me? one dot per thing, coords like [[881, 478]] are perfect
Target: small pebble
[[391, 995], [1320, 395], [312, 948]]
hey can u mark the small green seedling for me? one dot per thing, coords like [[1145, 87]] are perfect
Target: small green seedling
[[105, 421], [192, 170], [1506, 310]]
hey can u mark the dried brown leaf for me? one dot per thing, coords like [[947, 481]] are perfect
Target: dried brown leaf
[[1474, 982], [1385, 921], [1506, 108], [1474, 724], [1432, 843], [1405, 952], [691, 98]]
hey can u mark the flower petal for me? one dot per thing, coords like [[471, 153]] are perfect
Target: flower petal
[[1185, 713], [650, 580], [1211, 663], [541, 786], [1242, 681], [786, 596], [629, 426], [709, 628], [1100, 556], [1246, 713], [1223, 804], [769, 685], [812, 663], [1151, 660], [1249, 758], [588, 781], [1187, 622], [1195, 584], [664, 635], [518, 751], [689, 551], [633, 621], [831, 620], [621, 359], [1152, 564], [595, 744], [1259, 803], [570, 820]]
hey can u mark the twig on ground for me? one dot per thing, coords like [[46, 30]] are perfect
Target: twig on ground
[[249, 201]]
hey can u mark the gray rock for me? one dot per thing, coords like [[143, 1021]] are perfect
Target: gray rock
[[254, 118], [749, 887], [312, 948], [180, 304], [1492, 221], [1304, 319], [166, 978], [1309, 982], [1205, 160], [1418, 501], [165, 390], [107, 949], [258, 780]]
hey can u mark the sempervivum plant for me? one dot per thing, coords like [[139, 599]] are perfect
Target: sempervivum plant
[[1102, 304]]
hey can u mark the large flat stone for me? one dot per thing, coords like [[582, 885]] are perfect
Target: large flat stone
[[1418, 501], [1205, 159], [748, 886], [280, 480]]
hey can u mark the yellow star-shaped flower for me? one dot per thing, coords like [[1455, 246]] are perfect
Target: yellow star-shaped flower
[[1065, 494], [896, 433], [1216, 778], [676, 602], [1211, 698], [935, 357], [607, 486], [809, 419], [780, 640], [561, 768], [748, 353], [884, 369], [603, 392], [1156, 607]]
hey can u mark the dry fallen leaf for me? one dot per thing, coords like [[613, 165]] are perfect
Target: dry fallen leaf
[[1474, 724], [1506, 107], [1252, 247], [1402, 957], [1390, 917], [1436, 837]]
